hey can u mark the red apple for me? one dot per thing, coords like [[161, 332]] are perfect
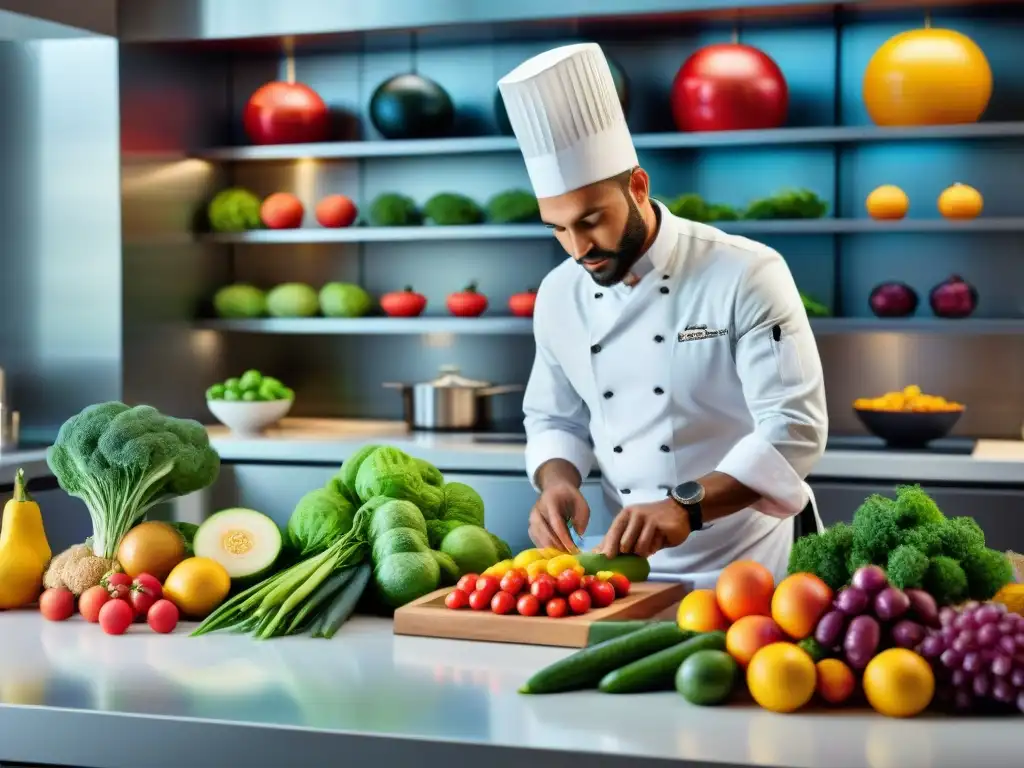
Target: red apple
[[282, 210], [336, 211]]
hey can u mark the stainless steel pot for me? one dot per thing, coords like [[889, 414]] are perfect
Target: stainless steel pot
[[449, 402]]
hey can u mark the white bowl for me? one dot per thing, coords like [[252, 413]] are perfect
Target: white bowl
[[249, 418]]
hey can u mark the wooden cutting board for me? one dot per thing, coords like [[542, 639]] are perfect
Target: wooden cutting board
[[428, 617]]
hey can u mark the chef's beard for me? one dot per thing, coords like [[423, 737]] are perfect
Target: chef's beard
[[622, 259]]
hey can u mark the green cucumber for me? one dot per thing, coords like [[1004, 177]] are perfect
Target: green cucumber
[[633, 567], [586, 667], [658, 671], [608, 630]]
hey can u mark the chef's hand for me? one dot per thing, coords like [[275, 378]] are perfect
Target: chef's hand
[[558, 503], [643, 529]]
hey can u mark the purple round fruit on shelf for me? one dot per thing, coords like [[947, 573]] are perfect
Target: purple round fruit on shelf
[[954, 298], [893, 299]]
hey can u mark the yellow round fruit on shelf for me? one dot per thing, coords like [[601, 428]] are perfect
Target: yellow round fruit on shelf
[[898, 683], [197, 585], [887, 202], [927, 77], [699, 612], [781, 677], [960, 202]]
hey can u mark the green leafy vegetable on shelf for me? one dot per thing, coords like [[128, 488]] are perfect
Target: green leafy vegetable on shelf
[[814, 308], [693, 207], [790, 204], [394, 210], [450, 209], [234, 210], [514, 206]]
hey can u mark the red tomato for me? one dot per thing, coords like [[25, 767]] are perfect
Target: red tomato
[[141, 599], [602, 593], [282, 210], [116, 616], [91, 601], [404, 303], [456, 599], [587, 581], [467, 302], [528, 605], [620, 583], [57, 604], [579, 601], [543, 589], [162, 616], [556, 607], [117, 583], [488, 584], [503, 602], [568, 582], [479, 601], [521, 304], [467, 583], [286, 113], [512, 582], [151, 583], [336, 211]]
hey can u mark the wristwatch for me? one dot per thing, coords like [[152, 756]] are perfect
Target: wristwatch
[[689, 495]]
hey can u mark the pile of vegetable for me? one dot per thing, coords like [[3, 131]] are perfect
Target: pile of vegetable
[[789, 204], [916, 544], [252, 386], [334, 299], [122, 461], [387, 525]]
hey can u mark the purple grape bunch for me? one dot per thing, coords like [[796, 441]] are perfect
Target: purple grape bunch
[[978, 656], [870, 615]]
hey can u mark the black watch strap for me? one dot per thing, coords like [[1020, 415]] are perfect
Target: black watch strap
[[689, 496]]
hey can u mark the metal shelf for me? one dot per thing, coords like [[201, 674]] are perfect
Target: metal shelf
[[469, 145], [512, 326], [536, 231]]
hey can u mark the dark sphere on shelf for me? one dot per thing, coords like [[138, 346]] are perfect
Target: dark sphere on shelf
[[411, 106]]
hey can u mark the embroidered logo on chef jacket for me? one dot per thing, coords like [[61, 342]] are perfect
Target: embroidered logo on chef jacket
[[700, 332]]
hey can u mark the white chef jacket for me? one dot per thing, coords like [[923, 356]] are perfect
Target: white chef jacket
[[707, 364]]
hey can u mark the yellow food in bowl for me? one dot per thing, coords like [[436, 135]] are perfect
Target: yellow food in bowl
[[909, 399]]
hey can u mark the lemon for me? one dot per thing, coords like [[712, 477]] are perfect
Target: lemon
[[556, 565], [898, 683], [197, 585], [781, 677], [526, 557]]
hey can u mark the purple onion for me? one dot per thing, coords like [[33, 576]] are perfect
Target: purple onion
[[891, 603], [870, 579], [907, 634], [829, 631], [923, 607], [852, 601]]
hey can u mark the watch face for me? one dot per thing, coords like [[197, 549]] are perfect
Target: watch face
[[690, 493]]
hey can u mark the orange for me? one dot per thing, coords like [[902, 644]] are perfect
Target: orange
[[781, 677], [749, 635], [799, 601], [960, 202], [835, 681], [744, 588], [898, 683], [699, 612], [887, 202]]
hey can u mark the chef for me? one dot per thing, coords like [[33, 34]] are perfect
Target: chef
[[673, 357]]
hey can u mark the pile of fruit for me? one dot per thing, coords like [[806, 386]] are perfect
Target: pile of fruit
[[115, 604], [540, 581], [251, 387], [910, 398]]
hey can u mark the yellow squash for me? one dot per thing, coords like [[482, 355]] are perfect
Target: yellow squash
[[24, 551]]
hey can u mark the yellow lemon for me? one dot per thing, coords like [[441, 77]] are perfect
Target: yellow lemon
[[781, 677], [898, 683], [561, 563], [526, 557], [197, 585]]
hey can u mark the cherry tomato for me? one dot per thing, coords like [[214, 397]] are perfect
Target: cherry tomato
[[151, 584], [57, 604], [503, 602], [116, 616], [479, 601], [488, 584], [602, 594], [512, 583], [456, 599], [91, 601], [587, 581], [568, 582], [556, 607], [467, 583], [579, 601], [620, 583], [528, 605], [543, 589], [141, 599], [162, 616], [118, 584]]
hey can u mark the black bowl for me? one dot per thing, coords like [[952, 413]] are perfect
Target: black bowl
[[908, 429]]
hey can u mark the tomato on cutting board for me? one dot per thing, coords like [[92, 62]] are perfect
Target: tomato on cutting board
[[403, 303], [468, 302], [522, 304]]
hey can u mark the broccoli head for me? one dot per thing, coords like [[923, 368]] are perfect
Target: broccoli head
[[959, 537], [915, 507], [234, 210], [924, 538], [514, 206], [824, 554], [945, 580], [906, 567], [122, 460], [987, 571], [394, 210], [450, 209], [875, 532]]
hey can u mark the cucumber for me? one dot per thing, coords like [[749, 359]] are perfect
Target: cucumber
[[658, 671], [609, 630], [586, 667], [633, 567]]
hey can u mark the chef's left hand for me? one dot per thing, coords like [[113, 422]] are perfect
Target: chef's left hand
[[643, 529]]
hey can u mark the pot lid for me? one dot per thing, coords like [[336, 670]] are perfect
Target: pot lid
[[449, 376]]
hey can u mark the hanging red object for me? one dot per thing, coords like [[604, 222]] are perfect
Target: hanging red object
[[729, 87], [286, 113]]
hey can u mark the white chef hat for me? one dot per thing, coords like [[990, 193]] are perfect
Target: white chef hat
[[565, 112]]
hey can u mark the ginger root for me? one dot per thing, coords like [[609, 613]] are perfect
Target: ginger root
[[77, 569]]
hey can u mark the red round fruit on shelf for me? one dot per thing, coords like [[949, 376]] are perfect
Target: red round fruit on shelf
[[286, 113], [404, 303], [456, 600], [336, 211], [479, 601], [513, 582], [282, 210], [729, 87], [602, 593], [543, 589], [502, 603], [579, 601], [556, 607], [527, 605], [568, 582], [468, 302], [522, 304]]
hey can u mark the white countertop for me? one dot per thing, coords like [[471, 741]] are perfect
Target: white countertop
[[368, 681]]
